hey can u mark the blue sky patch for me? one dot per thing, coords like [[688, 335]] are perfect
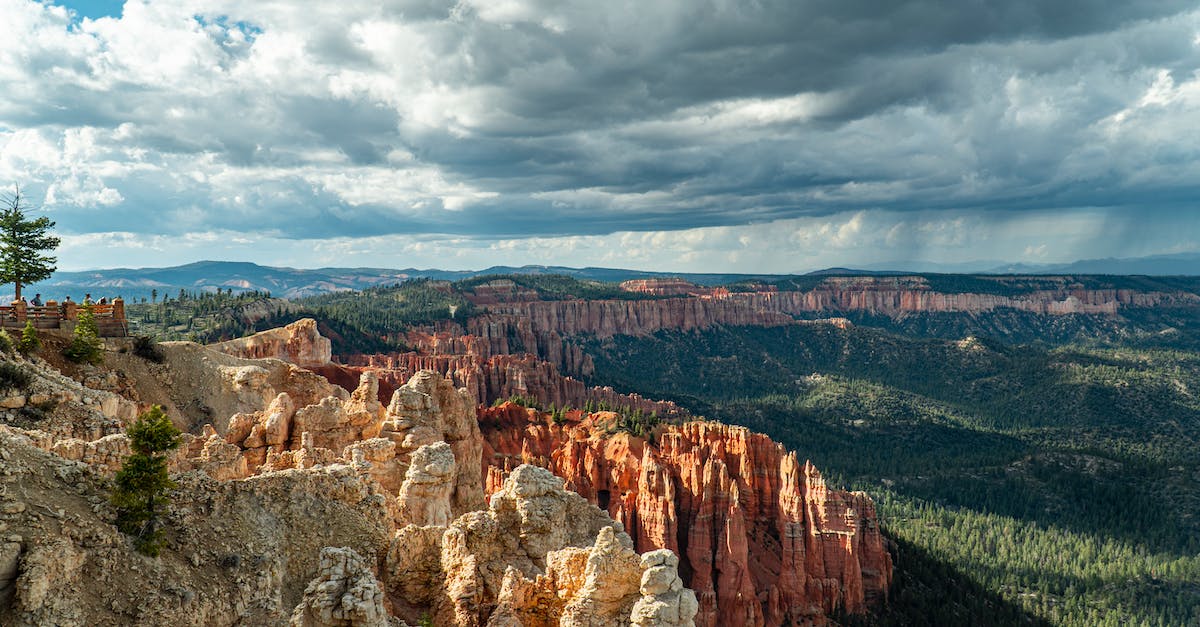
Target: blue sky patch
[[94, 9]]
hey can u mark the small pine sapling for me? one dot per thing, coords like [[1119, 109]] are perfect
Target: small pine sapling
[[140, 488], [29, 339]]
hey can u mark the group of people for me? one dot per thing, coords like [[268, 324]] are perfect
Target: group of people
[[63, 308], [87, 300]]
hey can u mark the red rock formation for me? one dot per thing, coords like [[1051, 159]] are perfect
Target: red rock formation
[[546, 328], [878, 299], [488, 380], [762, 539]]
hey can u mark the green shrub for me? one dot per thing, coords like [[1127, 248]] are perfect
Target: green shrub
[[140, 488], [85, 346], [29, 339], [13, 377], [6, 343], [147, 348]]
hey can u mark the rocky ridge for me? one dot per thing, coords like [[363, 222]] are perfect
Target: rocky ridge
[[547, 328], [299, 343], [495, 378], [301, 502]]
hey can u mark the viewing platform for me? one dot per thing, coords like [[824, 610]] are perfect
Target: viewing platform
[[110, 318]]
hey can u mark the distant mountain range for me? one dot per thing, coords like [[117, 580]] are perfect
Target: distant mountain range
[[209, 276]]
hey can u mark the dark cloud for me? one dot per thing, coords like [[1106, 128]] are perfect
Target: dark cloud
[[585, 118]]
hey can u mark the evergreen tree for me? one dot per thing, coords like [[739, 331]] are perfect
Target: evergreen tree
[[85, 346], [22, 242], [29, 339], [140, 487]]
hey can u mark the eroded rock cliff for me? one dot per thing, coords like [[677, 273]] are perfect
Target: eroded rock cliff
[[318, 510], [761, 538], [299, 343], [237, 552], [495, 378]]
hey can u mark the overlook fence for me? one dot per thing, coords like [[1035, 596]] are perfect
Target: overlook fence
[[110, 318]]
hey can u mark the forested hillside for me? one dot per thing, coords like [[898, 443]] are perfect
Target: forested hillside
[[1063, 480], [371, 320]]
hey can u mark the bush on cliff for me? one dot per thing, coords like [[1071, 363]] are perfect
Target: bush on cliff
[[13, 377], [85, 346], [29, 340], [145, 347], [141, 486]]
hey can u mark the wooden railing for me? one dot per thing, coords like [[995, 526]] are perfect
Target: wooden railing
[[110, 317]]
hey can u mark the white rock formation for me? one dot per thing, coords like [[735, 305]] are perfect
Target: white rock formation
[[428, 485], [343, 594]]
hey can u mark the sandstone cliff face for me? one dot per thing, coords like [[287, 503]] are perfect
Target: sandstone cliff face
[[299, 343], [546, 328], [605, 318], [761, 539], [877, 299]]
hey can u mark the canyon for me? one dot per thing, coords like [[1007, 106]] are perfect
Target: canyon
[[302, 502], [513, 320]]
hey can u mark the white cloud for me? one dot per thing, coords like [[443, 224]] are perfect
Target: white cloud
[[572, 120]]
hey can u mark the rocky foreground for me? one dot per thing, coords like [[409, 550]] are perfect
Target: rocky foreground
[[301, 502]]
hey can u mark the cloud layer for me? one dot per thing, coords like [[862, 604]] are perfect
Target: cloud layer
[[520, 127]]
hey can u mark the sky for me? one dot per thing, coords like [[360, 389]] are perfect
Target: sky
[[674, 135]]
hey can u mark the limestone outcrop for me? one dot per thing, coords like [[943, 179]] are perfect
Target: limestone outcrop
[[665, 602], [762, 538], [299, 343], [199, 386], [539, 555], [529, 517], [297, 501], [424, 497], [343, 594], [428, 410]]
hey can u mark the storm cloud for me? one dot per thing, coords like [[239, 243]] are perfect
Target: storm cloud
[[554, 126]]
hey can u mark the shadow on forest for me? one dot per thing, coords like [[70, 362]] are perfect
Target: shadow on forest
[[928, 592], [990, 428]]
